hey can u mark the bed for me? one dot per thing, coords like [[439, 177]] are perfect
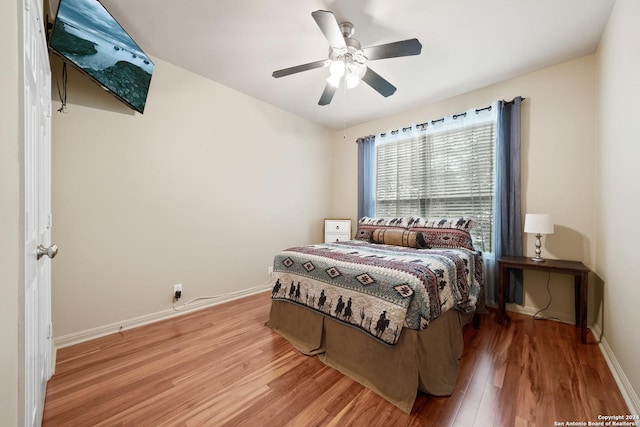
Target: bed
[[387, 308]]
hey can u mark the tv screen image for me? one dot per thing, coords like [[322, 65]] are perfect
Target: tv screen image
[[86, 35]]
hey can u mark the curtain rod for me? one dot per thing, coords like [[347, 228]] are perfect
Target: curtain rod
[[423, 126]]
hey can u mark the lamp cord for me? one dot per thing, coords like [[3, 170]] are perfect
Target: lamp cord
[[548, 304]]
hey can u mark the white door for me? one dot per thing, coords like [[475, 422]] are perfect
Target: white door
[[37, 211]]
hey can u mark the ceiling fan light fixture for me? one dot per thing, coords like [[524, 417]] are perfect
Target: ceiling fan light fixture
[[352, 81], [337, 68], [334, 80], [348, 63], [355, 73]]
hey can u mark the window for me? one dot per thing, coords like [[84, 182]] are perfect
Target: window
[[446, 170]]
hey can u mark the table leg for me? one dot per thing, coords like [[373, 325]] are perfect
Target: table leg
[[584, 285], [502, 280], [577, 299]]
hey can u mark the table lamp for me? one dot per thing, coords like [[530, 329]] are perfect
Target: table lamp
[[538, 224]]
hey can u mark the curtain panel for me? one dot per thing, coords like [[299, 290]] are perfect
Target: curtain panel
[[366, 176], [508, 200]]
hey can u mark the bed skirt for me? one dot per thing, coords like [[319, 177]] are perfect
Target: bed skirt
[[424, 360]]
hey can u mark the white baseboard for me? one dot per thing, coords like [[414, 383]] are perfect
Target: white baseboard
[[100, 331], [628, 393]]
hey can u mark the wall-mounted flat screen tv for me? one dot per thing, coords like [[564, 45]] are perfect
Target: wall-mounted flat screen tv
[[87, 36]]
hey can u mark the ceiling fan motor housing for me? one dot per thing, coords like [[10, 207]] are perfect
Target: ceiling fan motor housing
[[347, 29]]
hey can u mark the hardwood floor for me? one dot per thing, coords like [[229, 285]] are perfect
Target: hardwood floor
[[222, 366]]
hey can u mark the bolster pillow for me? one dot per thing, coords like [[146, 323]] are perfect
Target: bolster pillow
[[399, 237]]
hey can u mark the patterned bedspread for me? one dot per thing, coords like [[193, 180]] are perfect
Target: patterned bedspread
[[378, 288]]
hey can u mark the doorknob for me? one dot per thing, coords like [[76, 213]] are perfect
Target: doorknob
[[51, 251]]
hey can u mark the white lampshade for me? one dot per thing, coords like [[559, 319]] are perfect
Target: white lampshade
[[538, 224]]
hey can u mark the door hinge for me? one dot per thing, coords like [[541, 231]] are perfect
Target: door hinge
[[49, 221], [50, 331]]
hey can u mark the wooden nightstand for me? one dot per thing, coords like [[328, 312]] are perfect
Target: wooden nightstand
[[581, 282], [337, 230]]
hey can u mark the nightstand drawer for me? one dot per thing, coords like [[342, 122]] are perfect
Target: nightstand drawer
[[337, 226], [336, 237], [337, 230]]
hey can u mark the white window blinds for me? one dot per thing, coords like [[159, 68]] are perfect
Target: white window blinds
[[445, 171]]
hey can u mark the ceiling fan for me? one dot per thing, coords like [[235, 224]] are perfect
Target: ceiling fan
[[347, 59]]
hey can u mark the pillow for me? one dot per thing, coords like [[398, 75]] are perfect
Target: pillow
[[399, 237], [461, 223], [367, 225], [444, 232], [445, 237]]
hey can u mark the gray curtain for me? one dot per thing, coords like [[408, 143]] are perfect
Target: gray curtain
[[508, 207], [366, 176]]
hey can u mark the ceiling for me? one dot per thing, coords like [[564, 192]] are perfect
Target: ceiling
[[466, 45]]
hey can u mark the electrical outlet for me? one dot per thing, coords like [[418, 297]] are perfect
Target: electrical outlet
[[270, 270], [177, 291]]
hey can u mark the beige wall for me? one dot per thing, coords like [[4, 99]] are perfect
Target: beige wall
[[11, 279], [617, 185], [557, 165], [202, 190]]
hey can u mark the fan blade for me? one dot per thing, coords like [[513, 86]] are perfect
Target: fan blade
[[393, 50], [382, 86], [327, 94], [329, 27], [299, 68]]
